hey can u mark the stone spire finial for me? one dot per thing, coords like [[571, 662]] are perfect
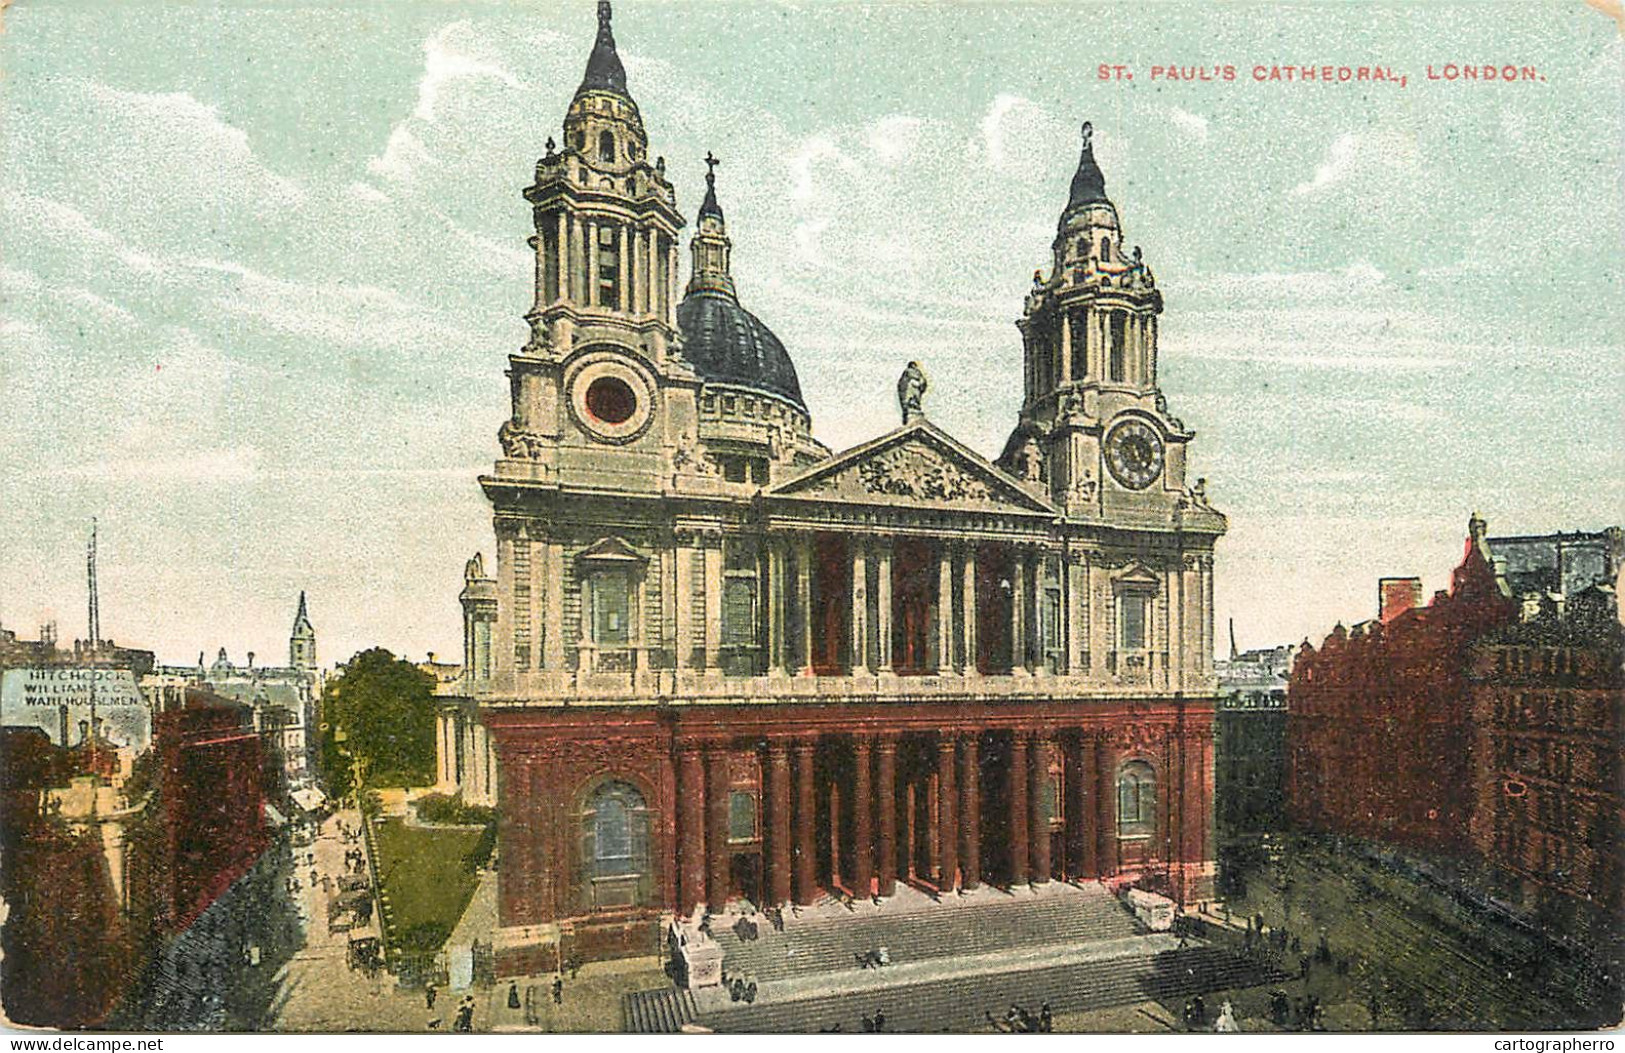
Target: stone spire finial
[[1088, 183], [709, 206]]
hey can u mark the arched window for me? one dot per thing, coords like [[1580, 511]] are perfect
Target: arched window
[[619, 824], [1136, 800], [606, 146], [1105, 249]]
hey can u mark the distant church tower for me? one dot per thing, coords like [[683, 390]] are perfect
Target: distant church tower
[[302, 641]]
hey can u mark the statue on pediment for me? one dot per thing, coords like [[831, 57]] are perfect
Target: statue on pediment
[[911, 389]]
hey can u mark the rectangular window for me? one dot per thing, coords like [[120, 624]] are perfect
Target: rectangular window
[[611, 610], [739, 611], [1132, 623], [741, 816]]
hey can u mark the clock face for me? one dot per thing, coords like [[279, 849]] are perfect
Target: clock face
[[1134, 454]]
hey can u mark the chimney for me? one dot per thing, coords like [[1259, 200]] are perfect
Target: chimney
[[1395, 596]]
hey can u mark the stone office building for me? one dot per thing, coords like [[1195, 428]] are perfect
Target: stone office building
[[718, 662]]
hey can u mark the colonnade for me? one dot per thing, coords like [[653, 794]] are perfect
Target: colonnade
[[859, 813], [957, 603], [568, 266]]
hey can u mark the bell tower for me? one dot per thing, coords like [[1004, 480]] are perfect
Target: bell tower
[[600, 386], [1089, 337]]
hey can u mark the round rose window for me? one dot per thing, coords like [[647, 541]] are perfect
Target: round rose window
[[611, 401]]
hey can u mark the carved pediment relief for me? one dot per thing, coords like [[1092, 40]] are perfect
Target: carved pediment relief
[[918, 464]]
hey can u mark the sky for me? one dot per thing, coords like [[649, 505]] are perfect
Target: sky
[[261, 265]]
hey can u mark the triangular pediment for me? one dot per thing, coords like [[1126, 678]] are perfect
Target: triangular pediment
[[918, 465], [611, 550]]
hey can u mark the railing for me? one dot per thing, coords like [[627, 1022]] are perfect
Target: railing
[[658, 686]]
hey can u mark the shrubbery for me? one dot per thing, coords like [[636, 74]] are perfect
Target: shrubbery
[[449, 810]]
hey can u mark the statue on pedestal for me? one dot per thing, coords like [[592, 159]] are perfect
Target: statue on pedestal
[[911, 388]]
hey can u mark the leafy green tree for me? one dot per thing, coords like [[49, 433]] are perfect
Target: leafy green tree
[[380, 710]]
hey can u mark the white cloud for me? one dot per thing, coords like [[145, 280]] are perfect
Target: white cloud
[[448, 59], [445, 62], [1351, 155], [1002, 110], [1338, 165], [178, 128], [892, 139], [1191, 124]]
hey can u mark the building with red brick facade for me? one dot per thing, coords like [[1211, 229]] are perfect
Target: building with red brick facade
[[1484, 728], [1379, 733], [1548, 702], [716, 662]]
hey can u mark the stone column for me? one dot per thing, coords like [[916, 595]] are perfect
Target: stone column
[[806, 885], [716, 828], [1039, 804], [945, 609], [623, 273], [967, 612], [1018, 614], [947, 808], [859, 642], [883, 603], [777, 608], [713, 604], [590, 230], [862, 830], [1206, 658], [683, 584], [651, 271], [970, 813], [1077, 612], [804, 570], [1105, 810], [561, 263], [779, 822], [1084, 822], [1066, 346], [927, 792], [886, 799], [691, 826], [1017, 819]]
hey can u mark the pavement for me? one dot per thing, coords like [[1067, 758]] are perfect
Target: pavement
[[319, 990]]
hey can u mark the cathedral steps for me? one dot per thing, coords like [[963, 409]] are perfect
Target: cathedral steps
[[917, 929], [662, 1012]]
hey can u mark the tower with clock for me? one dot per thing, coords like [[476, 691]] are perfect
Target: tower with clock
[[1094, 426]]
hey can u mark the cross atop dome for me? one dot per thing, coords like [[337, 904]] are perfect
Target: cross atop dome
[[709, 206]]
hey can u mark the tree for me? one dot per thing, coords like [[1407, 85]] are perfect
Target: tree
[[380, 710]]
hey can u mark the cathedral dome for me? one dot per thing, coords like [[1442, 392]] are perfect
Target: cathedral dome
[[726, 344]]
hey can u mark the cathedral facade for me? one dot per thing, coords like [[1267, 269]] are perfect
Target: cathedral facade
[[716, 661]]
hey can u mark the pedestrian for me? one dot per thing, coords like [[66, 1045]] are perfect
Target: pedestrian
[[880, 1020], [558, 990], [1046, 1019], [429, 995], [513, 994]]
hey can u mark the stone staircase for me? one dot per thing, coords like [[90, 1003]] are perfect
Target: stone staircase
[[1075, 947], [958, 1003], [913, 929], [662, 1012]]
